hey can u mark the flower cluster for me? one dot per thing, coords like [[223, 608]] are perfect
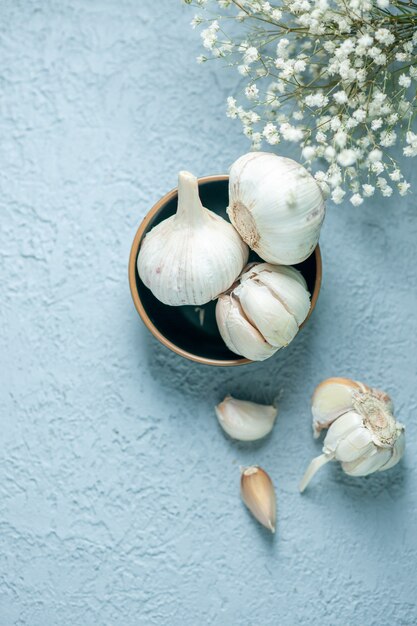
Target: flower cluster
[[337, 77]]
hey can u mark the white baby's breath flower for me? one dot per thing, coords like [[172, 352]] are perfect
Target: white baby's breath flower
[[395, 175], [404, 80], [308, 153], [365, 40], [347, 157], [196, 21], [291, 133], [340, 139], [356, 199], [337, 195], [270, 132], [387, 138], [340, 97], [232, 109], [368, 190], [377, 167], [251, 92], [244, 70], [375, 155], [387, 191], [276, 15], [384, 36], [256, 141], [250, 55], [403, 187]]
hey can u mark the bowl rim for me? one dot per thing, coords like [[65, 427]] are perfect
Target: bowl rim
[[141, 309]]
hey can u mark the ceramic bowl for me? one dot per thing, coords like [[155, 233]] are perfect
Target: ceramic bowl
[[191, 331]]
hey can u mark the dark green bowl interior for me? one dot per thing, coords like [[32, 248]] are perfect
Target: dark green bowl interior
[[182, 325]]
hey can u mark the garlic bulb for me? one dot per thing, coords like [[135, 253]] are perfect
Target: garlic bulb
[[363, 432], [276, 206], [258, 494], [264, 311], [243, 420], [194, 255]]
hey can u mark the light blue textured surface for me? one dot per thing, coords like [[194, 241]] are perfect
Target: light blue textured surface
[[119, 495]]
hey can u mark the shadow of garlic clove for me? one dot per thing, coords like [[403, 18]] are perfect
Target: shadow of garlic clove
[[258, 493], [363, 434], [244, 420]]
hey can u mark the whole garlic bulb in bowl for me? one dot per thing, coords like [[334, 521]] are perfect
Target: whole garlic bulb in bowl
[[263, 311], [192, 256], [276, 206]]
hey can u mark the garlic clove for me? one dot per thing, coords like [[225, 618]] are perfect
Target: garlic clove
[[331, 399], [246, 421], [314, 467], [397, 450], [192, 256], [342, 427], [267, 313], [238, 333], [368, 463], [257, 491], [354, 445], [276, 206], [287, 285]]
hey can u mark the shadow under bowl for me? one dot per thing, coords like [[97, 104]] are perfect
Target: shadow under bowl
[[191, 331]]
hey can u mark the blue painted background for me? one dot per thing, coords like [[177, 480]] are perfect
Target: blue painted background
[[119, 494]]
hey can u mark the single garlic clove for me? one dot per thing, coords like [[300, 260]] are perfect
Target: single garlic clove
[[397, 450], [192, 256], [286, 284], [238, 333], [340, 428], [267, 313], [368, 463], [246, 421], [354, 445], [314, 467], [276, 206], [258, 494], [331, 399]]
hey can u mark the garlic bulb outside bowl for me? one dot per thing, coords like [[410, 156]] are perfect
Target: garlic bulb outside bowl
[[194, 255], [263, 311], [363, 433], [276, 206]]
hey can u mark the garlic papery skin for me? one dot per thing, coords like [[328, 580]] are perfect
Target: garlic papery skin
[[192, 256], [244, 420], [263, 311], [335, 396], [276, 206], [258, 493], [363, 434]]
